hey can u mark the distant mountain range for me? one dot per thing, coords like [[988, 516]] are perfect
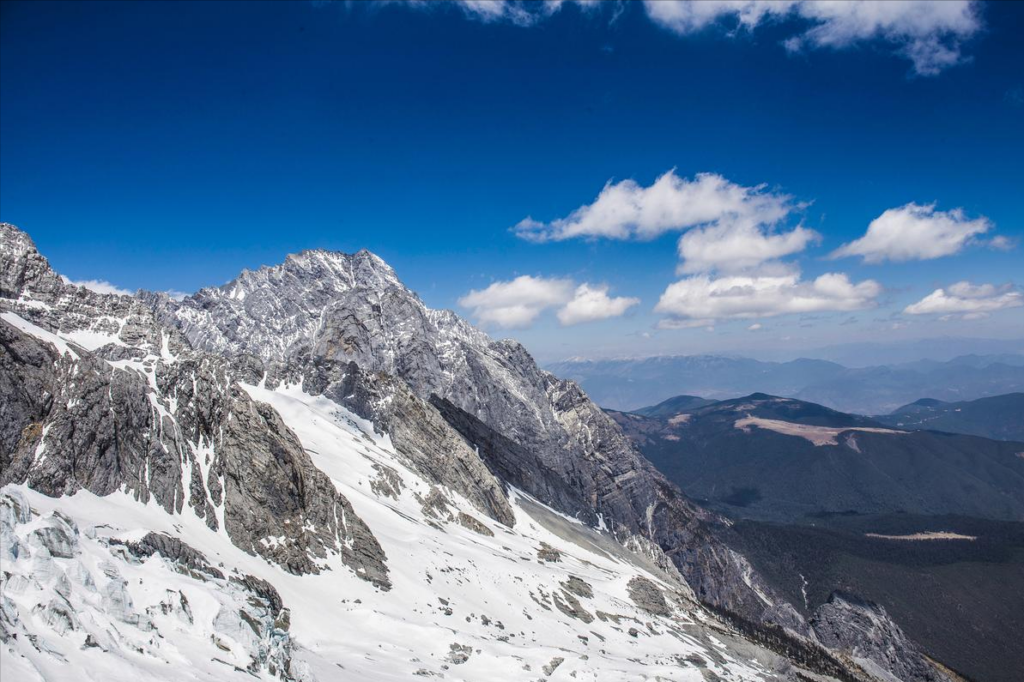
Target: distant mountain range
[[926, 523], [941, 349], [632, 384], [1000, 417], [780, 459]]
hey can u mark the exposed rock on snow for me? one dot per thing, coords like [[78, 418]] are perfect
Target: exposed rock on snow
[[552, 666], [647, 596], [580, 588], [174, 550]]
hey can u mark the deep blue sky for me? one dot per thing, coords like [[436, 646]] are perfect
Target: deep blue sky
[[168, 146]]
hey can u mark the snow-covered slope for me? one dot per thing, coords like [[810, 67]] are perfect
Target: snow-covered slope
[[307, 474], [470, 599]]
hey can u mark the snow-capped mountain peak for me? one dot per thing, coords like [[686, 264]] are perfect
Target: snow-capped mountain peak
[[307, 470]]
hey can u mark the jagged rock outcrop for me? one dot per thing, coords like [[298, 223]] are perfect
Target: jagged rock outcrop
[[25, 269], [134, 409], [866, 633], [77, 422], [174, 550]]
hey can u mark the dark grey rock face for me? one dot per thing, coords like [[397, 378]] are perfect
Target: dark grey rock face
[[568, 604], [474, 524], [57, 541], [552, 665], [513, 463], [24, 269], [100, 428], [419, 433], [79, 423], [865, 632]]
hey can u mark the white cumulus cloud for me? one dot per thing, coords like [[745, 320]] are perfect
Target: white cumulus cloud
[[727, 226], [707, 298], [916, 232], [99, 286], [972, 301], [929, 34], [590, 303], [627, 210], [517, 303]]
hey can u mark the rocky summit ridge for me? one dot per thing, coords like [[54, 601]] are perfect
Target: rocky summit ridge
[[314, 420]]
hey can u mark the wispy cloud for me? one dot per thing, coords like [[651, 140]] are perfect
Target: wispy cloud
[[679, 323], [99, 286], [1014, 97], [929, 34], [176, 295]]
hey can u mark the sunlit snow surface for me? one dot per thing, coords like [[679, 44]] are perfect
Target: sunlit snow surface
[[491, 596]]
